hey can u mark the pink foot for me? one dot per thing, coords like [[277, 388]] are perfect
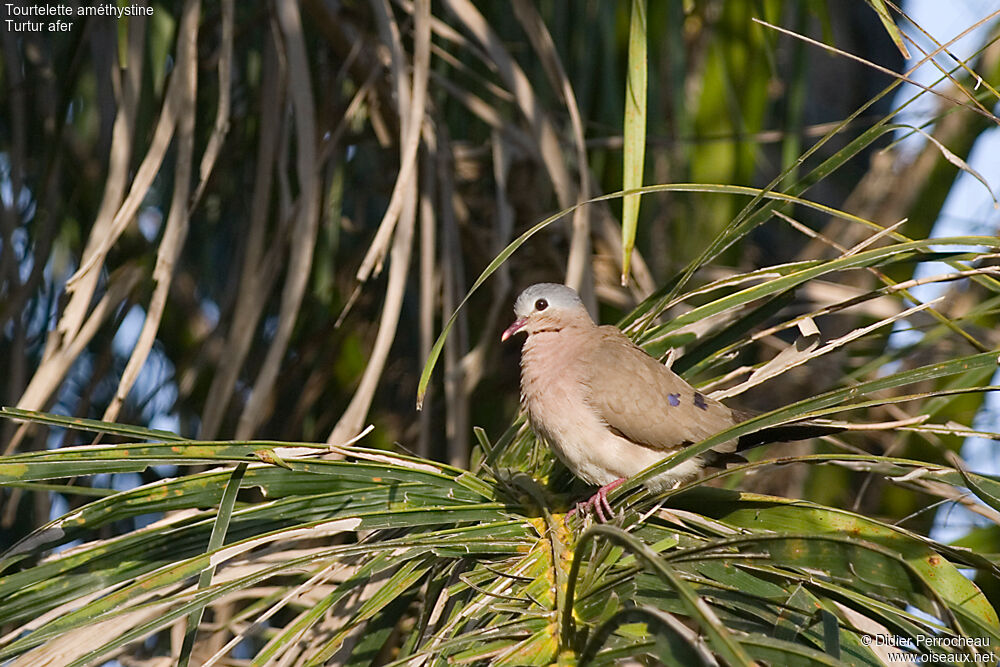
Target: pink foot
[[599, 502]]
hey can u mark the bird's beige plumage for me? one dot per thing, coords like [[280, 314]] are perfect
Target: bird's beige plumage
[[608, 409], [634, 394]]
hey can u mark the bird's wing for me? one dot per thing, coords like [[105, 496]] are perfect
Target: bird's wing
[[644, 401]]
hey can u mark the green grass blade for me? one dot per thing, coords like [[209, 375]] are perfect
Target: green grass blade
[[634, 151]]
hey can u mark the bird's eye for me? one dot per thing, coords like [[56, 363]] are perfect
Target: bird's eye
[[541, 304]]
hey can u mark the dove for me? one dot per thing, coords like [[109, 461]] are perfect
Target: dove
[[608, 409]]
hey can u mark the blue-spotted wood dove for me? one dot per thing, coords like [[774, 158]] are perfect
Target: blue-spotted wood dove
[[607, 408]]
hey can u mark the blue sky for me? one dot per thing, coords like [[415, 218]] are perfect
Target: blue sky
[[969, 208]]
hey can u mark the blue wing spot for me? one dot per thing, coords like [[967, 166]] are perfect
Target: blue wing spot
[[674, 399], [699, 401]]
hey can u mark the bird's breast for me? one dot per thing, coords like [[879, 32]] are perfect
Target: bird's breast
[[550, 384]]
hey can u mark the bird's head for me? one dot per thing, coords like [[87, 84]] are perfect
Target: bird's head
[[547, 307]]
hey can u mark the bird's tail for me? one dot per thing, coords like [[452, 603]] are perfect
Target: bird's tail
[[785, 433]]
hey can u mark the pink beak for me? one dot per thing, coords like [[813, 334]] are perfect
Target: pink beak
[[513, 328]]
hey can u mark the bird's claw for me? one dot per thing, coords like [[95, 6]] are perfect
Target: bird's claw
[[598, 503]]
